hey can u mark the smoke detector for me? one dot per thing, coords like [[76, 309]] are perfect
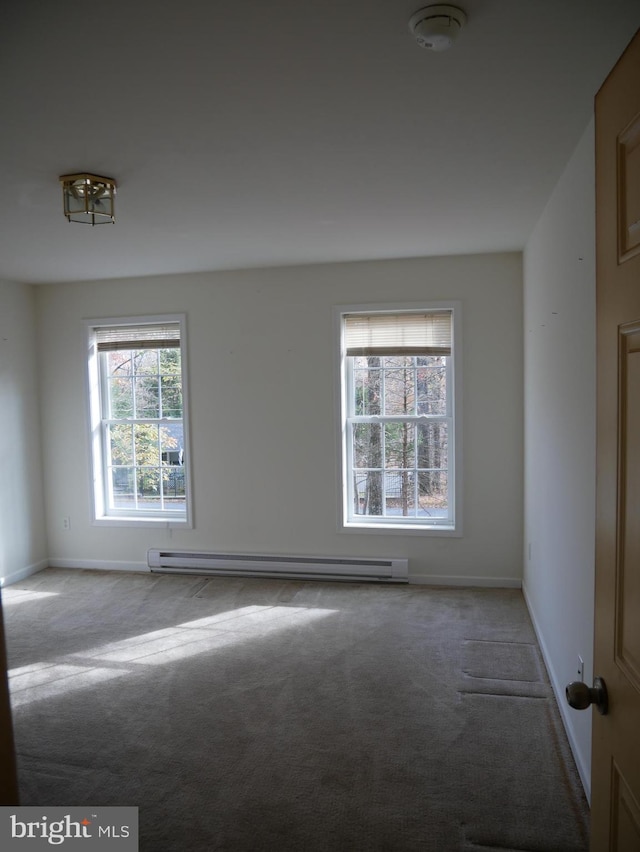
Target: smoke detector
[[437, 27]]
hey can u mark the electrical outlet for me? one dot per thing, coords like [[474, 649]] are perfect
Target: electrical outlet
[[580, 668], [66, 523]]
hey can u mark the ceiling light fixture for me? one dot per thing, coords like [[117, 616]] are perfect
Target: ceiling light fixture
[[437, 27], [88, 198]]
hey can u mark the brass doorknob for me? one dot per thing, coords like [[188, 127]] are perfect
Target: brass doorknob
[[580, 696]]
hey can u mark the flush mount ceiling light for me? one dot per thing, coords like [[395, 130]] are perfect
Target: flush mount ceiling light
[[88, 198], [437, 27]]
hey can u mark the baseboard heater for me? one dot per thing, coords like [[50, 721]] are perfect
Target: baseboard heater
[[385, 570]]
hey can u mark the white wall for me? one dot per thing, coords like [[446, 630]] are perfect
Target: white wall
[[262, 411], [22, 529], [559, 335]]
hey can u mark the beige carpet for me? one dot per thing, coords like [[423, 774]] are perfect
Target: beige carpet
[[276, 715]]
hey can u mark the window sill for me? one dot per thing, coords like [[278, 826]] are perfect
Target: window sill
[[401, 529], [149, 522]]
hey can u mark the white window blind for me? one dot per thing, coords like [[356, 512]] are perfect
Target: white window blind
[[394, 334], [160, 336]]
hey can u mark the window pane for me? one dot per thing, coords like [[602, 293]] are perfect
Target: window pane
[[367, 445], [172, 443], [120, 439], [147, 397], [173, 484], [120, 398], [399, 391], [171, 388], [433, 494], [432, 387], [123, 485], [148, 479], [146, 362], [399, 492], [399, 445], [396, 361], [170, 362], [367, 383], [433, 445], [368, 497], [147, 446], [120, 363]]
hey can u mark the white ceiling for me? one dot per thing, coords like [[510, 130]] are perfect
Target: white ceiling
[[276, 132]]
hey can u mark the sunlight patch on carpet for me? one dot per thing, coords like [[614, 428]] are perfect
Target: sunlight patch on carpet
[[16, 596], [49, 679], [42, 681]]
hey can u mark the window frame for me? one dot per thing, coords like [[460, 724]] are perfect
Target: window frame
[[95, 381], [349, 522]]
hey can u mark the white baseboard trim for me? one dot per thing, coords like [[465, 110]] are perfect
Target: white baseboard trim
[[22, 573], [99, 565], [559, 692], [457, 580]]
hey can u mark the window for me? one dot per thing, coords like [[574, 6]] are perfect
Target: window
[[137, 403], [398, 427]]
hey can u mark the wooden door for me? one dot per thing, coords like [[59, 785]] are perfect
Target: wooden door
[[615, 806]]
